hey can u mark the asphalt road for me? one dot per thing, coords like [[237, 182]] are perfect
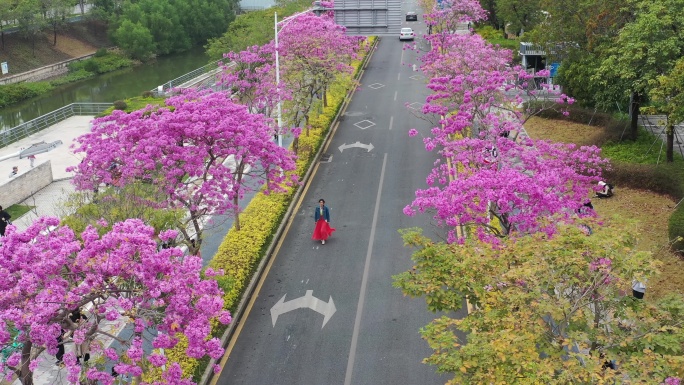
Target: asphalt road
[[373, 335]]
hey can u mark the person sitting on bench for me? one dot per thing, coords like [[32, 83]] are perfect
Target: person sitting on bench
[[607, 190]]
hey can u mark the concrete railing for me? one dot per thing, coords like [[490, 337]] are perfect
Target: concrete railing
[[25, 184]]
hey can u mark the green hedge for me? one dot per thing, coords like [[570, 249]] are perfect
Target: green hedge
[[101, 63], [17, 92]]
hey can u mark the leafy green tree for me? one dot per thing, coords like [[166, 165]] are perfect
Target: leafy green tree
[[138, 200], [252, 28], [135, 40], [519, 15], [55, 13], [249, 29], [668, 93], [30, 24], [205, 19], [546, 311], [643, 50], [6, 16]]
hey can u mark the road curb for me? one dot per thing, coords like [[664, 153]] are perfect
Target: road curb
[[237, 316]]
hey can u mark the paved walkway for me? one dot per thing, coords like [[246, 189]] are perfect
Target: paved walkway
[[61, 157]]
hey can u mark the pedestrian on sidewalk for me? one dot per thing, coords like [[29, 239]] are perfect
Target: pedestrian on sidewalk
[[4, 220], [322, 231], [82, 349], [60, 348], [15, 171], [32, 159]]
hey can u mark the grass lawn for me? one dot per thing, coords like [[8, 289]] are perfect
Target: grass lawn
[[17, 211], [651, 210]]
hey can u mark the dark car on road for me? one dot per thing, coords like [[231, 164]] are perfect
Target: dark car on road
[[411, 16]]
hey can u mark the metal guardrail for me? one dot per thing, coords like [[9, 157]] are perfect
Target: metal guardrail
[[184, 78], [26, 129]]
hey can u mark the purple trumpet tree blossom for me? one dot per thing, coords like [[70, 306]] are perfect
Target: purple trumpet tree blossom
[[48, 273], [196, 151]]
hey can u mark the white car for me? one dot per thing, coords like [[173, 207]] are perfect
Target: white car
[[406, 34]]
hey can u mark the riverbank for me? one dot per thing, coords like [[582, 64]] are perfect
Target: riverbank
[[74, 40], [101, 62]]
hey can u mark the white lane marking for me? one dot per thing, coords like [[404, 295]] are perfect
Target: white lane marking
[[395, 96], [399, 76], [392, 117], [364, 281]]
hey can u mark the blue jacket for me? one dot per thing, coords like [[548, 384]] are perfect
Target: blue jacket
[[326, 213]]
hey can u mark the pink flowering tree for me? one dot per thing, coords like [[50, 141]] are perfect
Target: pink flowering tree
[[313, 51], [521, 184], [489, 176], [196, 152], [447, 16], [251, 78], [470, 79], [48, 272]]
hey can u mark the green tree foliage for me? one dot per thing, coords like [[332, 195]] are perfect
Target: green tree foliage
[[174, 25], [644, 49], [55, 13], [135, 39], [519, 15], [546, 311], [252, 28], [82, 209], [6, 16], [30, 24], [668, 93], [248, 29]]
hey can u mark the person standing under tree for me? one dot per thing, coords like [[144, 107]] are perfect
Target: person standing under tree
[[322, 219], [4, 221]]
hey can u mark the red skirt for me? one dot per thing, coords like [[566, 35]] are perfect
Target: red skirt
[[322, 230]]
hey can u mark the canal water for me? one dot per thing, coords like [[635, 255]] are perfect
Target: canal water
[[107, 87]]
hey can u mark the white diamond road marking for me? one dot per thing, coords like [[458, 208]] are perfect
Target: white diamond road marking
[[364, 124], [416, 105], [416, 77], [375, 86]]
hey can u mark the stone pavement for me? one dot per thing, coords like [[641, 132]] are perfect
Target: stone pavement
[[61, 157]]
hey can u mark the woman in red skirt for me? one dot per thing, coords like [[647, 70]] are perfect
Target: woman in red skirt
[[322, 219]]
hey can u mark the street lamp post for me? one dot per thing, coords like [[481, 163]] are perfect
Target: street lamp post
[[277, 63]]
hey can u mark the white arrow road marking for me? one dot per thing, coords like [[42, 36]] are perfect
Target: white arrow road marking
[[327, 309], [358, 144]]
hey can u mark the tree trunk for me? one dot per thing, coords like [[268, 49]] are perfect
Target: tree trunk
[[325, 97], [25, 375], [236, 212], [306, 122], [54, 29], [196, 243], [634, 110], [669, 132], [2, 38], [82, 5]]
